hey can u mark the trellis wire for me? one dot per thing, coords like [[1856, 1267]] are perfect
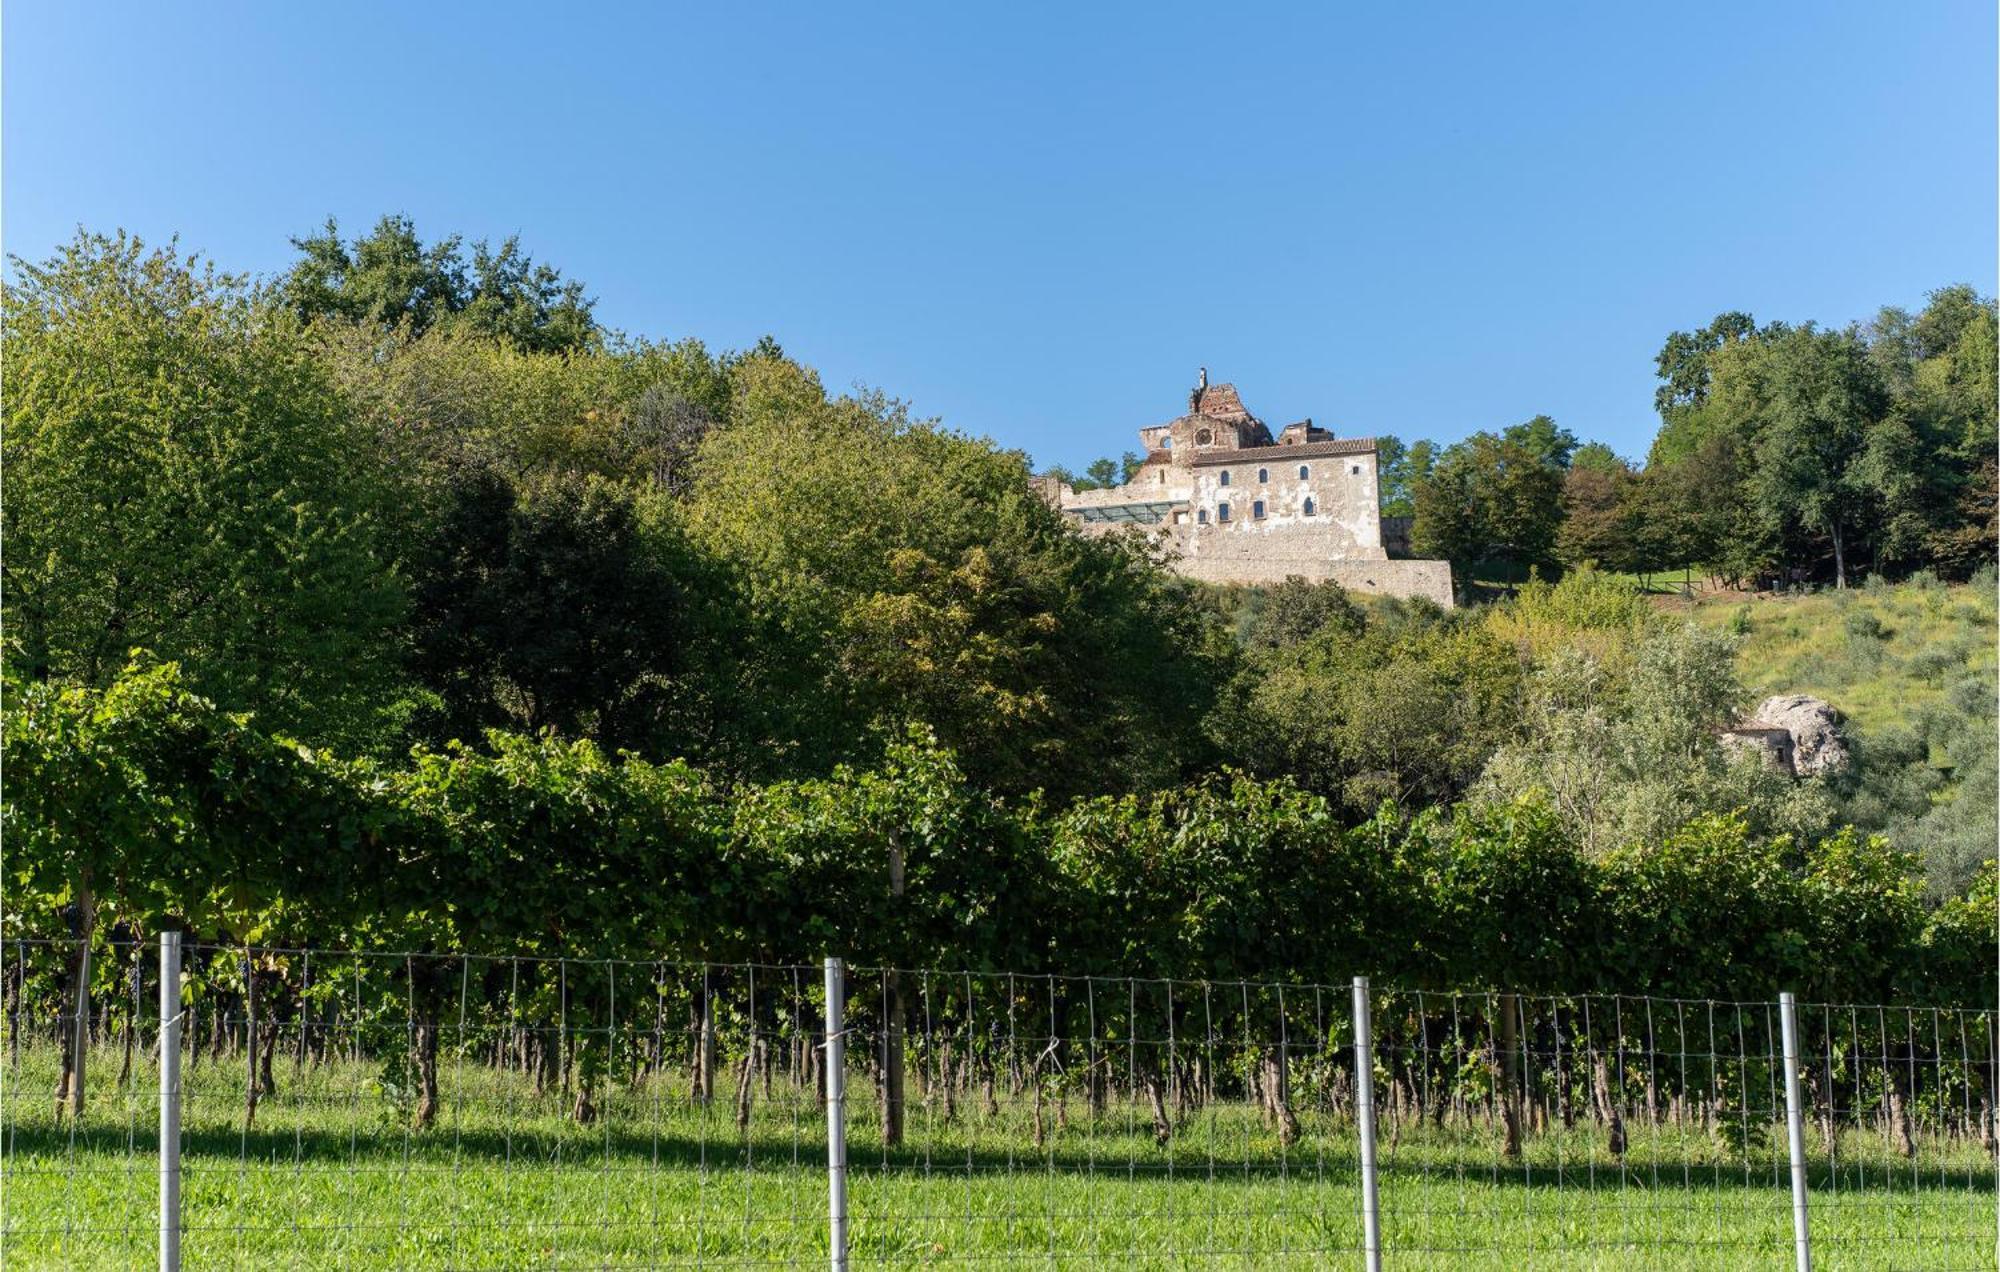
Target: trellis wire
[[409, 1108]]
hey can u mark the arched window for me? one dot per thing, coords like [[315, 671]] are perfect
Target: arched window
[[1257, 510], [1222, 512], [1263, 475], [1225, 476], [1201, 516], [1310, 509], [1304, 472]]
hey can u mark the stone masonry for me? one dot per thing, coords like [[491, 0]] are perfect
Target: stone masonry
[[1233, 504]]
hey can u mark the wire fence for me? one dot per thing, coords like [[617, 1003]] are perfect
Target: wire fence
[[375, 1109]]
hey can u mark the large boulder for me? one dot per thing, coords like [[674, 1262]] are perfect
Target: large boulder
[[1817, 744]]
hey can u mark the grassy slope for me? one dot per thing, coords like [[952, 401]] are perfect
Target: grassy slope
[[1879, 654]]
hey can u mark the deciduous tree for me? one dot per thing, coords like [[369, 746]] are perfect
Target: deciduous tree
[[182, 475]]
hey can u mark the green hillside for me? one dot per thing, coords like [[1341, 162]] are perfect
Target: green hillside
[[1885, 655], [1912, 666]]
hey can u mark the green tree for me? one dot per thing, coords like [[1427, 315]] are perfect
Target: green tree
[[1400, 469], [631, 411], [1926, 459], [1597, 457], [1404, 706], [391, 279], [1660, 527], [1496, 498], [1595, 522], [560, 604], [1683, 362], [183, 476], [1825, 396], [1447, 515], [1543, 441], [1296, 610], [1627, 751], [899, 574], [1868, 445], [667, 428]]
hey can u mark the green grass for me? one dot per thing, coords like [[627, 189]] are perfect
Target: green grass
[[1880, 654], [1496, 582], [330, 1176]]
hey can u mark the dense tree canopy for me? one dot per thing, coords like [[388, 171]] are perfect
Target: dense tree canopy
[[1403, 704], [557, 603], [899, 573], [1827, 453], [1786, 453], [1495, 497], [391, 279], [182, 474]]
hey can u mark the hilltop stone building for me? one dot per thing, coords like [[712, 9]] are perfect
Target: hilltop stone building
[[1237, 505]]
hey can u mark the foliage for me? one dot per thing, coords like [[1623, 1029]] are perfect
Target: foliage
[[1627, 753], [181, 475], [1404, 705], [561, 603], [1584, 610], [898, 573], [188, 815], [451, 399], [414, 496], [1495, 497], [390, 279], [1595, 526], [1399, 470], [1809, 469], [1782, 444], [1284, 614]]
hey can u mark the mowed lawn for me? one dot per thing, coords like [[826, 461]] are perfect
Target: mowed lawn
[[330, 1176]]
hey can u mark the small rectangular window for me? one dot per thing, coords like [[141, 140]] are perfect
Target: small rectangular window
[[1201, 516], [1357, 470], [1222, 512], [1225, 477], [1257, 510]]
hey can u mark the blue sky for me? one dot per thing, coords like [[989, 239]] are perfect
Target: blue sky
[[1037, 222]]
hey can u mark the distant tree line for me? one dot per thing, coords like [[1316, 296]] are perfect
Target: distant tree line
[[1785, 454]]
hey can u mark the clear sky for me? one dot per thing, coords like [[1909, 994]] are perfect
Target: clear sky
[[1037, 222]]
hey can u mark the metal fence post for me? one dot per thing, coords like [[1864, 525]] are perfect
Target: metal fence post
[[1795, 1134], [1364, 1112], [170, 1101], [836, 1116]]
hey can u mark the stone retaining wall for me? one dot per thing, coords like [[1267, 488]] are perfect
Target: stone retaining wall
[[1428, 579]]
